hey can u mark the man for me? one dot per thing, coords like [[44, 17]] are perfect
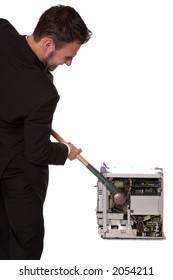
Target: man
[[28, 99]]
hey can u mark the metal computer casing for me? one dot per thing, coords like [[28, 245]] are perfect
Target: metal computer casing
[[141, 216]]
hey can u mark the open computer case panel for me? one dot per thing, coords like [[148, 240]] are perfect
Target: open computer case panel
[[136, 210]]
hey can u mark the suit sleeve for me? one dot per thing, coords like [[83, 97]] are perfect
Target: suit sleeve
[[37, 129]]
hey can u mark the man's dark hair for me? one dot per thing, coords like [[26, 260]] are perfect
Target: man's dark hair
[[63, 24]]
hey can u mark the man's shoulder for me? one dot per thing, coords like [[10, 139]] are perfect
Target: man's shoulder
[[7, 27], [4, 22]]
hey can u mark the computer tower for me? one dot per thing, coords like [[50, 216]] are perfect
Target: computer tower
[[139, 215]]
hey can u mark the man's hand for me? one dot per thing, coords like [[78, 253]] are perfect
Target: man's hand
[[73, 151]]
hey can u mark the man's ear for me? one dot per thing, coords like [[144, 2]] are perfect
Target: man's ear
[[48, 44]]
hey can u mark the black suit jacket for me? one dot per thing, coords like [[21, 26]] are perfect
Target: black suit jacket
[[28, 99]]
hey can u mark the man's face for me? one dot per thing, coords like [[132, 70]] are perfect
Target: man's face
[[59, 57]]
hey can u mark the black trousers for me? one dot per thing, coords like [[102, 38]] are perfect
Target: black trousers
[[21, 217]]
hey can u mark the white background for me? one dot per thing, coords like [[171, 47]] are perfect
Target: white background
[[116, 104]]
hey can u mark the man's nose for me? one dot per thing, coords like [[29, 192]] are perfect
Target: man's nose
[[68, 62]]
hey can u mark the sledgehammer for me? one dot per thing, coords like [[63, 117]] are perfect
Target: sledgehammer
[[105, 181]]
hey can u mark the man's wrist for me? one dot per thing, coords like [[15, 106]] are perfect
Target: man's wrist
[[69, 149]]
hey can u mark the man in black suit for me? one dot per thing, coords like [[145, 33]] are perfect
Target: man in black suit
[[28, 100]]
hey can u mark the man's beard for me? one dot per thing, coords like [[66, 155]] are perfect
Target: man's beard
[[47, 62]]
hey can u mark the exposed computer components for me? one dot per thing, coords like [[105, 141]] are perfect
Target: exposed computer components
[[136, 210]]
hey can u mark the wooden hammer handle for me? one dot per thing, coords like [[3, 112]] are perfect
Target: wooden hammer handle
[[61, 140], [105, 181]]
